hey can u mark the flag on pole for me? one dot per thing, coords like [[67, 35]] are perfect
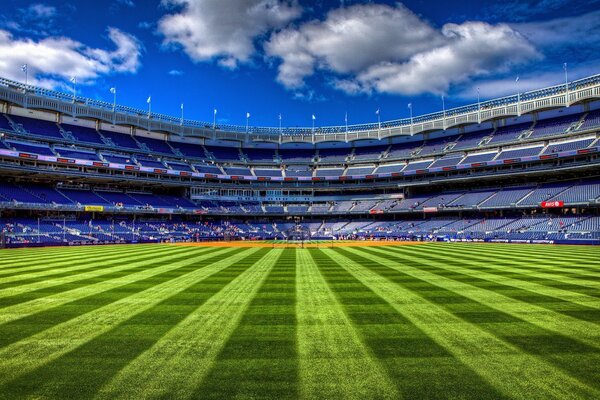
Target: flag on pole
[[182, 106], [565, 66], [73, 79], [313, 117], [247, 115], [410, 105], [346, 118], [24, 68], [149, 100], [280, 116], [377, 112], [215, 111], [113, 90], [517, 80]]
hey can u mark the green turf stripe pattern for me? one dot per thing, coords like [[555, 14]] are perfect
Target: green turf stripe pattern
[[260, 358], [38, 350], [175, 365], [506, 367], [334, 363]]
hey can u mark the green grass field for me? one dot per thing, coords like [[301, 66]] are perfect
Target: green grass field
[[431, 321]]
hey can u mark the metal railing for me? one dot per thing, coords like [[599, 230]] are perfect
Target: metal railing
[[77, 106]]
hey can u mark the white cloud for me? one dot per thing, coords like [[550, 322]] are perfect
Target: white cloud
[[175, 72], [54, 59], [580, 30], [38, 11], [224, 30], [505, 86], [389, 49]]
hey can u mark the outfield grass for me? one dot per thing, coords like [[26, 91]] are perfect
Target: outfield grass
[[460, 321]]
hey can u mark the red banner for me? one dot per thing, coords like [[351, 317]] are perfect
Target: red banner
[[553, 204]]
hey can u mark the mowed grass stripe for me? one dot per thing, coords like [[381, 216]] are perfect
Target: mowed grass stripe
[[82, 372], [517, 268], [125, 266], [180, 360], [474, 307], [260, 358], [550, 298], [50, 313], [71, 267], [334, 363], [533, 265], [30, 356], [27, 261], [556, 261], [508, 368], [429, 272], [566, 251], [420, 367]]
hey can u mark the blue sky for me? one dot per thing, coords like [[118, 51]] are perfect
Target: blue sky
[[298, 58]]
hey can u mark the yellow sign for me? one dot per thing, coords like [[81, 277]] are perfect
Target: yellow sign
[[94, 208]]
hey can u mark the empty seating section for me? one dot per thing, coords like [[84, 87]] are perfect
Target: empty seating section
[[155, 145], [509, 133], [179, 166], [435, 146], [479, 158], [387, 168], [554, 126], [333, 155], [38, 127], [570, 145], [517, 153], [368, 153], [83, 134], [84, 197], [360, 170], [295, 171], [471, 140], [592, 120], [321, 172], [78, 154], [267, 172], [118, 159], [417, 165], [224, 153], [579, 194], [400, 151], [189, 150], [447, 161], [260, 155], [149, 162], [471, 199], [291, 156], [506, 197], [208, 169], [544, 193], [237, 171], [121, 139], [41, 149]]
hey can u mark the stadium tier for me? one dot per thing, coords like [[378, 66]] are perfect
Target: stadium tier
[[500, 174]]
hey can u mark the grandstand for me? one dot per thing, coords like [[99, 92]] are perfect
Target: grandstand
[[70, 177]]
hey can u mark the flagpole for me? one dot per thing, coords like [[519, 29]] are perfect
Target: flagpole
[[478, 108], [518, 97], [411, 118], [566, 85], [215, 119], [444, 112], [280, 123], [247, 121], [181, 114]]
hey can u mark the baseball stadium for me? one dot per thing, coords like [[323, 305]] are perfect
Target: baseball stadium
[[446, 254]]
